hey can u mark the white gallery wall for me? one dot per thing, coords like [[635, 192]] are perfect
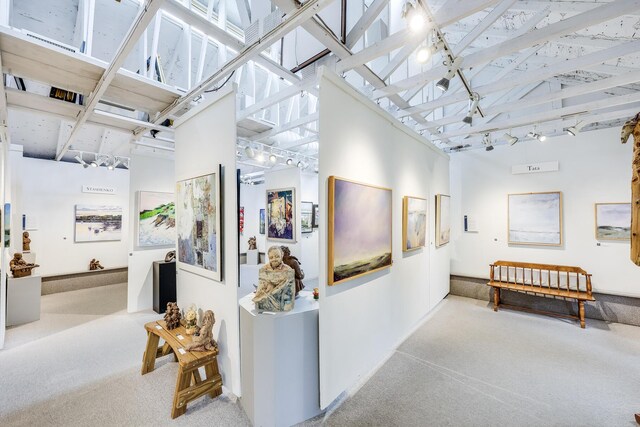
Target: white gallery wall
[[47, 192], [594, 167], [205, 138], [146, 174], [252, 198], [309, 242], [364, 319]]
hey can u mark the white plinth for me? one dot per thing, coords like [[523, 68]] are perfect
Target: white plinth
[[23, 299], [29, 257], [252, 257], [279, 354]]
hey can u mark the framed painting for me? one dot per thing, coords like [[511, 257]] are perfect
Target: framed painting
[[198, 211], [156, 219], [414, 223], [306, 217], [535, 219], [613, 221], [281, 215], [262, 219], [241, 220], [98, 223], [7, 225], [316, 216], [360, 240], [443, 219]]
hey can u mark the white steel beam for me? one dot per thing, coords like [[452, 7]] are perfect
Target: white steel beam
[[455, 10], [137, 28], [482, 26], [288, 126], [365, 21], [245, 12]]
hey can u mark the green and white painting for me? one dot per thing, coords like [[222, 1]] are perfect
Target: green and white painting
[[613, 221], [156, 219]]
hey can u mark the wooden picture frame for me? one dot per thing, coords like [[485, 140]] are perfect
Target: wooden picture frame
[[443, 228], [316, 216], [610, 231], [378, 239], [407, 202], [272, 234], [541, 210]]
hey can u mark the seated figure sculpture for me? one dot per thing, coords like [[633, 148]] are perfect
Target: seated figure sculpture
[[19, 267], [293, 262], [204, 341], [26, 242], [94, 264], [252, 243], [276, 284]]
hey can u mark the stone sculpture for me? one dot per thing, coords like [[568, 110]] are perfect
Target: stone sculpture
[[276, 284], [252, 243], [19, 267], [632, 127], [293, 262], [191, 320], [205, 341], [94, 264], [172, 315], [170, 256], [26, 242]]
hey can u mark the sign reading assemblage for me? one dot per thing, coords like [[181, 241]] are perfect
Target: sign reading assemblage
[[98, 189], [535, 168]]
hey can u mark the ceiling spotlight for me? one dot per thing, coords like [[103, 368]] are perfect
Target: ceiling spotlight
[[300, 164], [574, 130], [542, 138], [415, 18], [423, 54], [272, 158], [475, 101], [260, 157], [81, 161], [249, 152], [289, 161], [443, 83], [486, 141], [510, 138], [94, 164]]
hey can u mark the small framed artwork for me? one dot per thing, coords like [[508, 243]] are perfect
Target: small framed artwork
[[261, 230], [241, 219], [281, 215], [156, 219], [360, 238], [443, 219], [414, 223], [316, 216], [613, 221], [535, 219], [306, 217]]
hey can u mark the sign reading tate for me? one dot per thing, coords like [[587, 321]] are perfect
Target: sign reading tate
[[535, 168], [98, 189]]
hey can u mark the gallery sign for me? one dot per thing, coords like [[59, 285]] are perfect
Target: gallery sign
[[535, 168], [98, 189]]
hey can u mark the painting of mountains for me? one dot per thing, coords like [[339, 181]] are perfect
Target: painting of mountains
[[414, 223], [359, 229], [613, 221], [156, 219]]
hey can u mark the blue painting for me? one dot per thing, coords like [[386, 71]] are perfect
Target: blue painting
[[281, 215]]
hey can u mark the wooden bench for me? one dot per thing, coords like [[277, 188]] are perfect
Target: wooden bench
[[189, 385], [558, 281]]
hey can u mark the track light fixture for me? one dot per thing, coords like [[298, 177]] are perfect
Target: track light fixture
[[415, 18], [425, 52], [260, 157], [249, 152], [537, 136], [574, 130], [510, 138], [475, 101], [453, 66], [272, 158], [80, 160], [486, 141], [289, 161]]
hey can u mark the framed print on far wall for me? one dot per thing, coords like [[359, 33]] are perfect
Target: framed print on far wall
[[613, 221], [198, 210], [443, 219], [359, 229], [306, 217], [262, 219], [98, 223], [281, 215], [535, 219], [316, 216], [414, 223]]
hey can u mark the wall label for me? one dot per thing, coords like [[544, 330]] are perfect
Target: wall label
[[535, 168], [98, 189]]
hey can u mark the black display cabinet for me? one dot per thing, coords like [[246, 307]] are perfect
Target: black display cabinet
[[164, 285]]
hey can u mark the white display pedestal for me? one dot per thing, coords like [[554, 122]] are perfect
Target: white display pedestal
[[279, 356], [252, 256], [23, 299], [29, 257]]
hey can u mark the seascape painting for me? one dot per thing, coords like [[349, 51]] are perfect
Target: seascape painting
[[306, 217], [281, 215], [535, 219], [359, 229], [156, 219], [443, 219], [198, 223], [98, 223], [316, 216], [262, 221], [613, 221], [414, 223]]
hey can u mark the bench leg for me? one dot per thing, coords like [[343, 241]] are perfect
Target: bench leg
[[581, 310], [211, 369], [149, 357], [182, 383], [496, 298]]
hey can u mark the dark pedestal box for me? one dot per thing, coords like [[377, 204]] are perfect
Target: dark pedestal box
[[164, 285]]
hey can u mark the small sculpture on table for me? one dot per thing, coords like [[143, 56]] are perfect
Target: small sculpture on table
[[191, 321], [172, 315], [276, 284], [94, 264], [293, 262], [170, 256], [204, 341], [26, 242], [19, 267], [253, 244]]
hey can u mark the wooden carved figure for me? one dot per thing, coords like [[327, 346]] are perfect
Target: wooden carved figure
[[172, 315], [252, 243], [94, 264], [19, 267], [204, 341], [632, 127], [191, 320], [276, 284], [26, 242], [293, 262]]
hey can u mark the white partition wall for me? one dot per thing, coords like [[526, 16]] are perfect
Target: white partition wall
[[364, 319], [206, 138]]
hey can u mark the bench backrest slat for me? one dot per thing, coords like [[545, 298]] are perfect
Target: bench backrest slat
[[575, 278]]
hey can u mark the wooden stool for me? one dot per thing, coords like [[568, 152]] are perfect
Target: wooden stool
[[189, 385]]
